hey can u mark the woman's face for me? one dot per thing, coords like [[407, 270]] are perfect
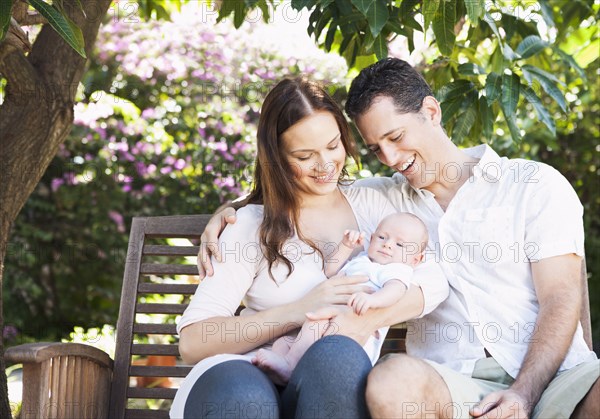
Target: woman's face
[[313, 148]]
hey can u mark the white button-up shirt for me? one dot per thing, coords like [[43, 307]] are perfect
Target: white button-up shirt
[[510, 213]]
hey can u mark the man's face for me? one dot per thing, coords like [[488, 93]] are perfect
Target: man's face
[[404, 142]]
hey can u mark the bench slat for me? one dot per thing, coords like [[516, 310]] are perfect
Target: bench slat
[[153, 288], [167, 269], [181, 226], [146, 414], [158, 371], [155, 328], [160, 308], [154, 349], [151, 393], [165, 250]]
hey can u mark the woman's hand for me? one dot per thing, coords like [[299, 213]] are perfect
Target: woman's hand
[[209, 240], [334, 291]]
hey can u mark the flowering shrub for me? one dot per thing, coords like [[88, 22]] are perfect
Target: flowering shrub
[[165, 125]]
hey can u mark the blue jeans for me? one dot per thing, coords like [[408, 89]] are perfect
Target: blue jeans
[[328, 382]]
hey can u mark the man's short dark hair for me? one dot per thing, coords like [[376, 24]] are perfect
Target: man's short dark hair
[[391, 77]]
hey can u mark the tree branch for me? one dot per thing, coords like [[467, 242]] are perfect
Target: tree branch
[[33, 18], [15, 67], [16, 39]]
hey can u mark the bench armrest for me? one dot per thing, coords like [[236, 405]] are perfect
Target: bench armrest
[[63, 379]]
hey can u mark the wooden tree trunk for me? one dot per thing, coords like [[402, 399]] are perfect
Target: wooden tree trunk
[[35, 118]]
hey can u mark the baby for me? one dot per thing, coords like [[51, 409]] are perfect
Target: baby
[[397, 247]]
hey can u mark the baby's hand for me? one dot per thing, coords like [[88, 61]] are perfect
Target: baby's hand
[[353, 239], [360, 302]]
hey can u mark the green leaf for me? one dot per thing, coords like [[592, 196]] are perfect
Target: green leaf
[[322, 22], [493, 86], [571, 61], [486, 116], [510, 93], [548, 83], [5, 8], [475, 9], [301, 4], [449, 108], [455, 89], [539, 107], [530, 46], [380, 47], [547, 13], [463, 124], [406, 14], [509, 54], [430, 8], [443, 27], [470, 69], [376, 13], [60, 25], [511, 121]]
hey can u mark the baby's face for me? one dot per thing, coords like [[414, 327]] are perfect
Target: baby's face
[[397, 240]]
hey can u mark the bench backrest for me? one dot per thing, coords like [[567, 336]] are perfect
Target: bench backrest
[[146, 328]]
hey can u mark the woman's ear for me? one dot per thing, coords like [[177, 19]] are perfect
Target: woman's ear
[[431, 109]]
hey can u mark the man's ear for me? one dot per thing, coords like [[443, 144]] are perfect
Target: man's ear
[[431, 109]]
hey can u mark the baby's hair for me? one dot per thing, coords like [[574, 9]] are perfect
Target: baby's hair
[[426, 232]]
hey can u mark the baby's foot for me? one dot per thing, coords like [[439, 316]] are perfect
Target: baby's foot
[[274, 365]]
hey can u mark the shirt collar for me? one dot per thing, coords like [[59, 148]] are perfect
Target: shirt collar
[[489, 164]]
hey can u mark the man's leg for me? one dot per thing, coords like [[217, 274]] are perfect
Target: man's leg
[[403, 386], [589, 407]]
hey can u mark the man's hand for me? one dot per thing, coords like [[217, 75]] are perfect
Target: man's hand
[[360, 302], [502, 404], [353, 239], [343, 321], [209, 240]]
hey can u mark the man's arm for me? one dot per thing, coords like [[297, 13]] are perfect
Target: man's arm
[[558, 288]]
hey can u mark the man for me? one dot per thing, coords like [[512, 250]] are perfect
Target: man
[[509, 236]]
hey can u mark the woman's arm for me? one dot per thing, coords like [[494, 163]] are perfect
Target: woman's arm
[[240, 334]]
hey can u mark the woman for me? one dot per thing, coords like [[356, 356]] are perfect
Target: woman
[[274, 263]]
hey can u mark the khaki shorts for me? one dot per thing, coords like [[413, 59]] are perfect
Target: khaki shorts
[[559, 399]]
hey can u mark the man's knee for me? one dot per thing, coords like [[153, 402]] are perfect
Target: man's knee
[[387, 376]]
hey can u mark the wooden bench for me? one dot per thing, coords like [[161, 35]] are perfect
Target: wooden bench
[[70, 380]]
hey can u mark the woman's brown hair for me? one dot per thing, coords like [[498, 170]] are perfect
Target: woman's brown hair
[[290, 101]]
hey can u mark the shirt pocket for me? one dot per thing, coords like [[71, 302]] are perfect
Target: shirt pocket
[[490, 228]]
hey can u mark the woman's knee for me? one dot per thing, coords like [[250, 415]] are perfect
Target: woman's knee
[[233, 389]]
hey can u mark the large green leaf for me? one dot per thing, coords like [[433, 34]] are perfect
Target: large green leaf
[[463, 124], [430, 8], [443, 27], [380, 47], [531, 45], [237, 7], [493, 87], [486, 116], [5, 8], [547, 81], [571, 62], [453, 90], [376, 13], [510, 93], [72, 35], [539, 107], [449, 108], [475, 9], [511, 121]]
